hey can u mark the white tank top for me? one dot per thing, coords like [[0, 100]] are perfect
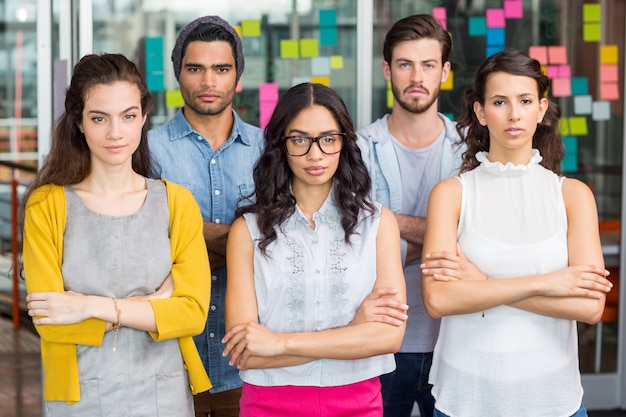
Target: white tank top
[[509, 362]]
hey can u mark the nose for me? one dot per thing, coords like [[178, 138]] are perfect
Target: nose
[[315, 152], [416, 75], [114, 131], [514, 113], [208, 79]]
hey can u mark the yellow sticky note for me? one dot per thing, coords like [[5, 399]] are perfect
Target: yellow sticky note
[[389, 95], [449, 83], [238, 30], [289, 48], [608, 54], [564, 126], [592, 12], [251, 28], [336, 62], [578, 126], [174, 98], [592, 32], [309, 48], [321, 80]]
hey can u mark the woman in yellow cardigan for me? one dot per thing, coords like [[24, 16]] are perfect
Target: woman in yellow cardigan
[[115, 263]]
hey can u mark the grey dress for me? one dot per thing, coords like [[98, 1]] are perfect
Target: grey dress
[[123, 256]]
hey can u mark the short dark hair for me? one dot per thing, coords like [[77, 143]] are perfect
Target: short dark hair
[[415, 27]]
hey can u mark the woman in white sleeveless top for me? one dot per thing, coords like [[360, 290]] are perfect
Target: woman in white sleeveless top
[[508, 341], [301, 260]]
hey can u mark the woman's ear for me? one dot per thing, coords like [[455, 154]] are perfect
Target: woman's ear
[[479, 111], [543, 108], [80, 127]]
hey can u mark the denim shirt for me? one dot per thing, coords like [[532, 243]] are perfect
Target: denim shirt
[[217, 180]]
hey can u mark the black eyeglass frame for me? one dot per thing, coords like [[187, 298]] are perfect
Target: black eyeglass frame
[[313, 140]]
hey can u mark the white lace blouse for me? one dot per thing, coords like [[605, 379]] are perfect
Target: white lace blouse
[[509, 362], [313, 280]]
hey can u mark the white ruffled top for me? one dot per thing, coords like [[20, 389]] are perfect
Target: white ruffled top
[[512, 223]]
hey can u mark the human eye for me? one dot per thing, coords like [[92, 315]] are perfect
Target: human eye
[[299, 140], [526, 101], [327, 139], [498, 102], [97, 119], [130, 116]]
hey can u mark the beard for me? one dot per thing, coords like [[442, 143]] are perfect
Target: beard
[[415, 106], [208, 109]]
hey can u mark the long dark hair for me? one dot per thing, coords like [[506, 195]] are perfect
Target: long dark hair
[[274, 201], [547, 138]]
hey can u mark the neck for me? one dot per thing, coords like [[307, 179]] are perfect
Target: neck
[[112, 181], [310, 198], [216, 128], [415, 130], [514, 156]]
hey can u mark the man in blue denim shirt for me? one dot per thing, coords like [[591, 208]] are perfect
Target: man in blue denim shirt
[[207, 148]]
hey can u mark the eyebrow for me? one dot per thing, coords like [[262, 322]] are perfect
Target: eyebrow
[[302, 132], [106, 114], [195, 65], [519, 95]]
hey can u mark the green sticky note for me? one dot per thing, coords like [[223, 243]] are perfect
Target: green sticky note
[[336, 62], [309, 48], [592, 12], [578, 126], [174, 98], [289, 48], [251, 28], [564, 126], [592, 32], [389, 95]]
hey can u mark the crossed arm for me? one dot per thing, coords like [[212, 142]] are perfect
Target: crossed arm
[[451, 285], [252, 345]]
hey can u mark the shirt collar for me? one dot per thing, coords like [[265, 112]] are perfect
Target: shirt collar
[[180, 128]]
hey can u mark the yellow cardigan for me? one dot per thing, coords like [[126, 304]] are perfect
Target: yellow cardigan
[[181, 316]]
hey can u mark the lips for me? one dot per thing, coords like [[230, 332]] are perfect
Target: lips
[[315, 171], [514, 131]]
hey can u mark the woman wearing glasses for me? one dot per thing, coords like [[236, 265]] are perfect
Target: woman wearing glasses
[[301, 260]]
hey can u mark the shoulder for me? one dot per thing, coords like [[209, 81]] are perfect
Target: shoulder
[[575, 191], [177, 193], [375, 130], [50, 192]]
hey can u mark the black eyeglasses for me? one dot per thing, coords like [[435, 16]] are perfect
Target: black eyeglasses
[[329, 144]]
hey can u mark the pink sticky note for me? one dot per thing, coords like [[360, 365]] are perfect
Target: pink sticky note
[[540, 53], [239, 87], [266, 108], [608, 72], [439, 13], [609, 91], [268, 92], [565, 71], [513, 9], [561, 87], [495, 18], [557, 55], [552, 71]]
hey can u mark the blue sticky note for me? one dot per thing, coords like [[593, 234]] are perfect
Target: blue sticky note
[[328, 17], [154, 63], [155, 81], [580, 86], [449, 116], [328, 36], [495, 36], [570, 161], [477, 26], [583, 104], [494, 49], [154, 46]]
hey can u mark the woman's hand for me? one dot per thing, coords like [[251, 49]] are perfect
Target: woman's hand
[[381, 306], [446, 266], [587, 281], [57, 307], [166, 289], [251, 339]]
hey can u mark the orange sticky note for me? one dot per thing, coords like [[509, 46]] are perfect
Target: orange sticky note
[[449, 83], [609, 72], [557, 55], [321, 80], [540, 53], [609, 91], [561, 87]]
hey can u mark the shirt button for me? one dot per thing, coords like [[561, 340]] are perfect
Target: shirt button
[[213, 308], [200, 137], [214, 278], [317, 271], [217, 192], [211, 335], [218, 221], [213, 162]]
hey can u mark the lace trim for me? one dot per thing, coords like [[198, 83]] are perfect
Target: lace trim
[[509, 166]]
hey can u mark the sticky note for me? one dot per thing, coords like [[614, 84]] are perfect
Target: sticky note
[[592, 12], [266, 108], [608, 54], [449, 83], [601, 111], [439, 13], [609, 91], [557, 55], [565, 71], [320, 65], [477, 26], [239, 86], [154, 45], [268, 92], [580, 86], [561, 87], [328, 36], [336, 62], [309, 48], [495, 18], [328, 17], [578, 126], [154, 63], [564, 126], [300, 80], [570, 161], [583, 104], [494, 49], [321, 80], [540, 53], [552, 71], [609, 72], [238, 30], [389, 95], [513, 9], [251, 28], [592, 32], [155, 81], [289, 48], [174, 99], [495, 36]]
